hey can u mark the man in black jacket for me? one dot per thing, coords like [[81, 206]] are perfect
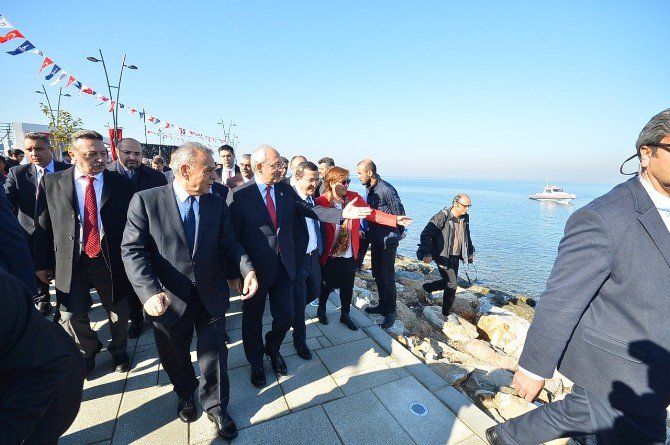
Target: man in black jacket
[[446, 239], [129, 163]]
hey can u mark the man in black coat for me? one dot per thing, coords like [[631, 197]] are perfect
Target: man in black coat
[[81, 214], [227, 168], [129, 163], [176, 247], [15, 256], [41, 371], [263, 211], [21, 187]]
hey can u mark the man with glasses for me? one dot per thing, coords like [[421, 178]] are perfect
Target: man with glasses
[[446, 239], [129, 163]]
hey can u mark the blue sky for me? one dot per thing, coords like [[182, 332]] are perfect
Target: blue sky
[[477, 89]]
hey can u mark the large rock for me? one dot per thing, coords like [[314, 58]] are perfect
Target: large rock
[[505, 330], [397, 328], [451, 373], [483, 351], [493, 379], [518, 307], [407, 316], [510, 406], [416, 276], [466, 304], [456, 328], [363, 297], [359, 282]]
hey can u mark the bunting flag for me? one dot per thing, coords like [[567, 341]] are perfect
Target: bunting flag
[[46, 63], [11, 35], [23, 48], [53, 72], [132, 110], [87, 90], [142, 114], [4, 23], [60, 77], [153, 120], [102, 98], [111, 106], [166, 125], [70, 81]]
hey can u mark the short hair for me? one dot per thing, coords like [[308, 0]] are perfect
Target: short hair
[[85, 134], [335, 174], [328, 161], [158, 159], [120, 143], [457, 198], [655, 130], [35, 136], [258, 156], [185, 155], [369, 165], [284, 160], [305, 165], [15, 152], [227, 147], [245, 156]]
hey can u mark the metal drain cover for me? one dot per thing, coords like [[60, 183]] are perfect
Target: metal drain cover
[[418, 409]]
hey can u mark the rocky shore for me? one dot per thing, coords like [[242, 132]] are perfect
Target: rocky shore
[[476, 348]]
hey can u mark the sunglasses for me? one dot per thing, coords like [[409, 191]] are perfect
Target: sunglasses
[[345, 182]]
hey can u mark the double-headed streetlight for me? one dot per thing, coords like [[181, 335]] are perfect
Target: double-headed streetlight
[[115, 108], [226, 135], [54, 119]]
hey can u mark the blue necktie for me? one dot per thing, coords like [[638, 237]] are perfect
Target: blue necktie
[[189, 223], [317, 229]]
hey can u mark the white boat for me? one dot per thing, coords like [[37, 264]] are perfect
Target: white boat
[[553, 193]]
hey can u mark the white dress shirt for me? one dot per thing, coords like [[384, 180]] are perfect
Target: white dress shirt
[[41, 170], [80, 185], [311, 230], [182, 204]]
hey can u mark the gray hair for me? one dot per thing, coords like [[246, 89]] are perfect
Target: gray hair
[[305, 165], [85, 134], [185, 155], [655, 130], [246, 157], [35, 136], [258, 156]]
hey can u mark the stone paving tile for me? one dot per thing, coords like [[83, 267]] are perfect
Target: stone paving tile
[[325, 343], [288, 350], [307, 384], [366, 379], [338, 333], [305, 427], [310, 311], [363, 419], [353, 357], [439, 426], [472, 440]]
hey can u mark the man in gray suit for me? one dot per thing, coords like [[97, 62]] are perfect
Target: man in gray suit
[[176, 247], [602, 320]]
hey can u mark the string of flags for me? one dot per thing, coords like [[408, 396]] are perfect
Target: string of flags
[[56, 74]]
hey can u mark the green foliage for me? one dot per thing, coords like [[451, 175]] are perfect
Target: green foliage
[[61, 130]]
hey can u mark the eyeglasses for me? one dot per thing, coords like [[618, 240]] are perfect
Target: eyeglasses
[[665, 147], [464, 205], [275, 166], [345, 182]]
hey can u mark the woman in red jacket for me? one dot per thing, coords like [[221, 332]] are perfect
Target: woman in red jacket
[[338, 261]]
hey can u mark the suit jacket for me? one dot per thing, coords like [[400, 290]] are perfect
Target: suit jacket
[[235, 181], [169, 175], [262, 242], [157, 257], [217, 188], [15, 258], [21, 186], [57, 233], [219, 171], [144, 177], [603, 316]]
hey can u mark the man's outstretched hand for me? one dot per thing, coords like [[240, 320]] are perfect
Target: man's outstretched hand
[[353, 212]]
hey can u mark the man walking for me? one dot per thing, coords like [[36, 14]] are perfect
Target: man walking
[[21, 189], [129, 163], [601, 319], [446, 239], [80, 214], [228, 169], [177, 246], [383, 239]]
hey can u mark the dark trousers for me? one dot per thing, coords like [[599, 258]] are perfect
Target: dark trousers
[[174, 350], [363, 245], [583, 412], [306, 288], [383, 270], [135, 308], [42, 287], [338, 273], [448, 269], [74, 306], [280, 294]]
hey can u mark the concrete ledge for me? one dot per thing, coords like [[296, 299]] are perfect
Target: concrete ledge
[[466, 411]]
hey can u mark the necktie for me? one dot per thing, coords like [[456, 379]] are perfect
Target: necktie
[[269, 203], [317, 229], [189, 223], [91, 231]]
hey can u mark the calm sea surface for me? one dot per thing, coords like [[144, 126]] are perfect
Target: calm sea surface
[[516, 238]]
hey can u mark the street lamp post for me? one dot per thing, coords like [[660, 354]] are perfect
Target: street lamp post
[[55, 119], [226, 135], [115, 108]]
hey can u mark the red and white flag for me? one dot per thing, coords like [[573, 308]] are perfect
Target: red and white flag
[[47, 61], [11, 35], [70, 81]]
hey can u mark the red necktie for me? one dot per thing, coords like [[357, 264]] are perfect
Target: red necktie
[[91, 232], [269, 203]]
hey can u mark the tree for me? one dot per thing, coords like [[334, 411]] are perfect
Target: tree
[[62, 126]]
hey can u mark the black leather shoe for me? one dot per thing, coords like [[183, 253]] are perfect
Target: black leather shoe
[[225, 426], [323, 318], [135, 329], [277, 362], [389, 320], [374, 310], [44, 307], [226, 338], [121, 363], [303, 352], [186, 409], [258, 377], [493, 437], [346, 320], [90, 361]]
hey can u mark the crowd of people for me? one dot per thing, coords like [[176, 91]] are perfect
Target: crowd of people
[[169, 244]]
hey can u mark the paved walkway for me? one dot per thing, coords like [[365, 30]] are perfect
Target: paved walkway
[[360, 388]]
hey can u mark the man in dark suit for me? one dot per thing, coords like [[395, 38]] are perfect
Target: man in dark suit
[[21, 188], [176, 247], [80, 215], [15, 258], [41, 371], [601, 320], [246, 174], [227, 168], [263, 211], [129, 163]]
